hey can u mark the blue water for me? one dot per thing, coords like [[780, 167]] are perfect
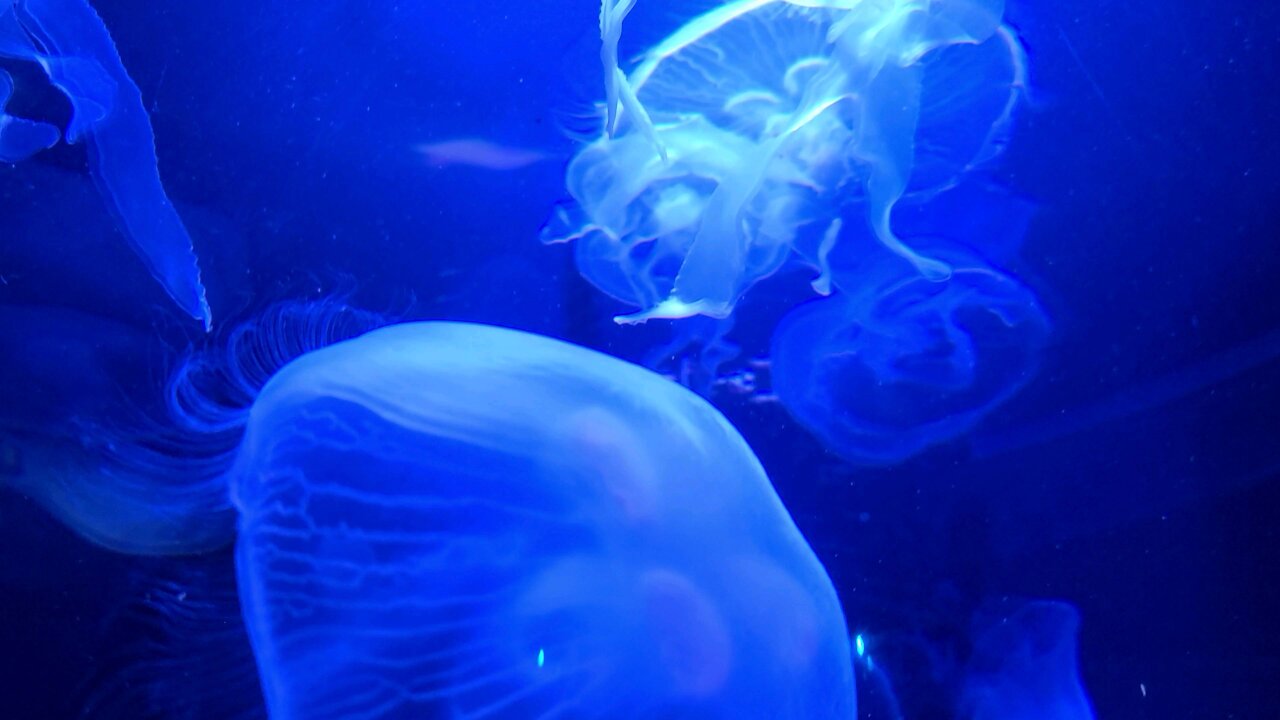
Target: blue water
[[1044, 487]]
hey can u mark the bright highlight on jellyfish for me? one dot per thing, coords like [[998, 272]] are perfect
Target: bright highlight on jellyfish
[[876, 698], [1024, 667], [19, 138], [902, 362], [69, 40], [477, 522], [756, 124]]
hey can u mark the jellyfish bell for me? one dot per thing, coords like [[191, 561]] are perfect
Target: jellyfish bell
[[442, 514], [901, 362]]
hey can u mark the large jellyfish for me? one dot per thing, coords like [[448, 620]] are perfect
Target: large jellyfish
[[754, 125], [451, 520], [71, 43]]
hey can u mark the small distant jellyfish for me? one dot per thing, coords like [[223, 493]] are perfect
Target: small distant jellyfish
[[71, 43], [890, 363], [452, 520], [1018, 661], [756, 124], [901, 362], [1024, 667]]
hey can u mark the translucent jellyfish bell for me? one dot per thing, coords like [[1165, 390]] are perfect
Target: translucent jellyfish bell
[[901, 362], [770, 116], [460, 519]]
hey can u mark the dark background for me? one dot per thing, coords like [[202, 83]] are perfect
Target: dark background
[[1136, 477]]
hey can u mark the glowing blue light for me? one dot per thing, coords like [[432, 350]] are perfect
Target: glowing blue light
[[859, 645], [542, 657], [760, 155], [71, 43]]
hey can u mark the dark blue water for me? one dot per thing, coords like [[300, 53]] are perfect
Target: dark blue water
[[1135, 475]]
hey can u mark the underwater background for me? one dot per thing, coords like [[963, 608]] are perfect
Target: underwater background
[[405, 157]]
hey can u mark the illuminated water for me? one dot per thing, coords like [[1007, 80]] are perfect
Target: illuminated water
[[1029, 428]]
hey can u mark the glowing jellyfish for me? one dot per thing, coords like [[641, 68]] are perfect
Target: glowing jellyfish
[[453, 520], [903, 362], [446, 516], [1024, 667], [1016, 662], [71, 43], [756, 123]]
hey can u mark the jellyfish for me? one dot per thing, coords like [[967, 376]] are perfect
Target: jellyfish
[[885, 371], [20, 138], [1016, 661], [71, 43], [617, 89], [754, 125], [890, 363], [1024, 667], [456, 520]]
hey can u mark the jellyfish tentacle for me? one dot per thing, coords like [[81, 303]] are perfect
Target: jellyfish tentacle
[[906, 97], [156, 483], [707, 283], [612, 13]]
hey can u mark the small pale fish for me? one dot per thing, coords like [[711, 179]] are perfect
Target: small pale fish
[[473, 152]]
